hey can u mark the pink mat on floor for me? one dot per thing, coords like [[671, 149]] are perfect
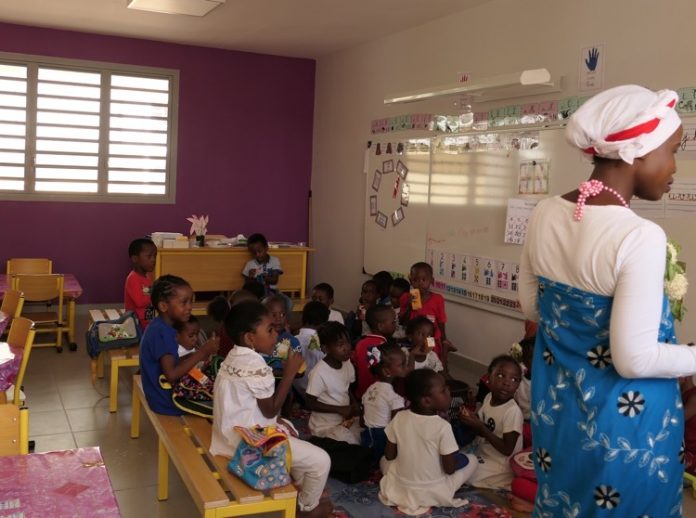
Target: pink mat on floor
[[57, 484]]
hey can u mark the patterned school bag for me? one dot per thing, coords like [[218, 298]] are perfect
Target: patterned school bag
[[262, 459], [113, 334]]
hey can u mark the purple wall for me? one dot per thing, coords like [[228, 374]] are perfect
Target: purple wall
[[244, 157]]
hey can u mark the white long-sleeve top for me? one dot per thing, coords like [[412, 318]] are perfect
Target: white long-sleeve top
[[611, 252]]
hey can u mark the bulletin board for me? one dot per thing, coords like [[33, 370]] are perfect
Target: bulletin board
[[479, 192]]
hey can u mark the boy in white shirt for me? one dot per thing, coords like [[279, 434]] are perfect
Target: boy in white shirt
[[263, 268], [324, 293], [334, 408]]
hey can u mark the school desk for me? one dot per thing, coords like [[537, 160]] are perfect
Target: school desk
[[58, 483], [71, 291], [220, 269]]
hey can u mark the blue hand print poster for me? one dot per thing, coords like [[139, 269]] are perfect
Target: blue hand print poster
[[591, 68]]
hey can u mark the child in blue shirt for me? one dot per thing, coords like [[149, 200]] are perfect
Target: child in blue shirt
[[171, 296]]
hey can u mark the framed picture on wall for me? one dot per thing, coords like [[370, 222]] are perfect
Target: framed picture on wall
[[376, 180], [382, 219], [373, 205], [388, 166]]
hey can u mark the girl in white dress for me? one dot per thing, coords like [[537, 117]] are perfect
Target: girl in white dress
[[245, 395], [422, 465], [498, 424]]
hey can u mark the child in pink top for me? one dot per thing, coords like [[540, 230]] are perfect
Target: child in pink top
[[136, 296], [432, 307]]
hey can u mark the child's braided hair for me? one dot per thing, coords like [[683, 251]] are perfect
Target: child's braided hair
[[164, 287]]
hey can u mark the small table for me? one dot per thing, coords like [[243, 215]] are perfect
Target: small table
[[57, 484], [71, 291]]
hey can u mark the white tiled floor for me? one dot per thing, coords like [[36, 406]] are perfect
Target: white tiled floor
[[67, 411]]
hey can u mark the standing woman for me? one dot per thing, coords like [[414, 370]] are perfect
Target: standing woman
[[607, 419]]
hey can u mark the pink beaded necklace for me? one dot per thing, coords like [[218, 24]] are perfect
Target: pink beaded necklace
[[590, 189]]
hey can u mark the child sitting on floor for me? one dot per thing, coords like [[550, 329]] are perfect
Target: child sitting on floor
[[159, 355], [324, 293], [219, 307], [498, 423], [358, 321], [380, 402], [187, 335], [382, 322], [384, 282], [314, 314], [246, 396], [334, 409], [420, 343], [426, 303], [422, 465], [286, 340], [397, 290], [137, 291]]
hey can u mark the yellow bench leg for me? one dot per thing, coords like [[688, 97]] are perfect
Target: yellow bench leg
[[113, 386], [135, 415], [100, 366], [289, 511], [162, 472]]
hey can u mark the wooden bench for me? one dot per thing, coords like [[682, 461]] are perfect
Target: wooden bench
[[216, 492], [123, 357]]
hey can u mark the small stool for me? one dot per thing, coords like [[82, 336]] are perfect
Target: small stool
[[123, 357]]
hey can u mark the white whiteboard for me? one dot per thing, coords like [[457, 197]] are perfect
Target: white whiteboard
[[465, 212]]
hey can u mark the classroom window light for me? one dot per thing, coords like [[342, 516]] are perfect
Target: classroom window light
[[11, 185], [73, 130], [126, 188], [50, 173], [145, 137], [12, 129], [66, 187], [11, 171]]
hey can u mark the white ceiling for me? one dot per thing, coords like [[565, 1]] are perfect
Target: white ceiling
[[300, 28]]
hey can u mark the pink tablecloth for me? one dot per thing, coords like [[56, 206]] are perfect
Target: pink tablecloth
[[9, 370], [64, 483], [71, 288]]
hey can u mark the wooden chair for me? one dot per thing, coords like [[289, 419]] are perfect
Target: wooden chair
[[29, 265], [12, 303], [21, 337], [41, 288], [14, 430]]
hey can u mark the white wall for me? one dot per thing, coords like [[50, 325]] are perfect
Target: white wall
[[647, 42]]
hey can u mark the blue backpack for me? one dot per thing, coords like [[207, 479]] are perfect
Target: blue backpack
[[113, 334]]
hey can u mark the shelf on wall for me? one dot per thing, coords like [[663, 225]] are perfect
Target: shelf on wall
[[509, 86]]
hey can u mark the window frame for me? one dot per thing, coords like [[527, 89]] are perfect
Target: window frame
[[33, 62]]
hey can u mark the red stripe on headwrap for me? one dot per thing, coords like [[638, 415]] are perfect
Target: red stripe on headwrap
[[640, 129], [590, 150], [635, 131]]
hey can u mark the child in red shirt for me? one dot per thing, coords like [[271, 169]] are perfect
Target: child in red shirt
[[382, 322], [136, 296], [432, 307]]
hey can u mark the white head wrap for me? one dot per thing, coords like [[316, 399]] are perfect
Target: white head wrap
[[625, 122]]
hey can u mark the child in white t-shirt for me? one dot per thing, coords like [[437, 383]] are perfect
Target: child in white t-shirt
[[334, 408], [263, 268], [246, 395], [380, 402], [420, 345], [498, 424], [324, 293], [422, 465], [187, 335]]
